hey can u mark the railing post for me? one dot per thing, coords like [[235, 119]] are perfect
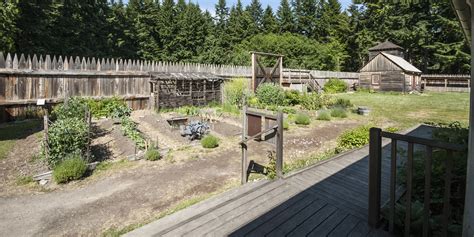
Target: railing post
[[244, 146], [375, 165], [279, 146]]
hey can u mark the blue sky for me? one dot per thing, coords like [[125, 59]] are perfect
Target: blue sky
[[209, 5]]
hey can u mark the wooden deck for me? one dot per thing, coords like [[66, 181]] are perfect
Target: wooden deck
[[328, 199]]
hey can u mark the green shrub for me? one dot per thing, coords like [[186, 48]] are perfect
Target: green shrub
[[338, 113], [188, 110], [152, 155], [315, 101], [210, 141], [74, 108], [343, 103], [335, 85], [270, 94], [66, 136], [293, 97], [302, 119], [130, 130], [110, 107], [324, 115], [72, 168], [352, 139], [288, 110], [235, 91]]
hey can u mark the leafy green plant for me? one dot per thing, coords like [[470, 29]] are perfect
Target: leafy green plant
[[324, 115], [302, 119], [74, 107], [236, 91], [353, 138], [72, 168], [270, 94], [110, 107], [315, 101], [338, 112], [152, 155], [293, 97], [130, 130], [210, 141], [66, 136], [270, 169], [335, 85]]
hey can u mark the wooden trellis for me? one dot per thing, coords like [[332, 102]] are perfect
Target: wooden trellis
[[261, 74]]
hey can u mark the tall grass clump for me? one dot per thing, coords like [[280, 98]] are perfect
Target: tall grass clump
[[338, 112], [302, 119], [210, 142], [324, 115]]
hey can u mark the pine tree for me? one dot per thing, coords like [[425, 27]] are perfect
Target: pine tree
[[167, 29], [222, 15], [237, 29], [256, 12], [34, 32], [306, 17], [121, 32], [269, 24], [285, 17], [8, 28], [148, 35]]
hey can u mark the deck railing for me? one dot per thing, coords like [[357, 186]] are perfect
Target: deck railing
[[375, 177]]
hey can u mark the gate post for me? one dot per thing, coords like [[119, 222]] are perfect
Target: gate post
[[244, 146], [375, 166]]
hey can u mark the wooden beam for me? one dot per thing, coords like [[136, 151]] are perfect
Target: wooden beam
[[375, 176]]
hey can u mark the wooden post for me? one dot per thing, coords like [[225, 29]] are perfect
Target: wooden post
[[375, 166], [468, 221], [254, 72], [46, 128], [244, 147], [445, 84], [89, 125], [279, 146], [281, 70]]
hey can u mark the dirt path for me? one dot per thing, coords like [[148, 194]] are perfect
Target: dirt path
[[135, 194]]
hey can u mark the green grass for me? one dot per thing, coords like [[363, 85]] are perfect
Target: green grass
[[11, 132], [24, 180], [409, 110]]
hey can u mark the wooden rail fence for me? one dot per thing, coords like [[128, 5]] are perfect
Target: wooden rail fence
[[375, 166], [446, 82]]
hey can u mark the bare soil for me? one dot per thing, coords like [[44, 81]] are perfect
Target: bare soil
[[117, 198]]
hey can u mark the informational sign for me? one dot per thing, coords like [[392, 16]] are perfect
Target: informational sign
[[41, 102]]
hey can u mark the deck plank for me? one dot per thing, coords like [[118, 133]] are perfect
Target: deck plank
[[329, 224], [316, 219], [345, 227]]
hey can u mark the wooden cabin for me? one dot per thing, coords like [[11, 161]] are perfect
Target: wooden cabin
[[386, 47], [387, 72]]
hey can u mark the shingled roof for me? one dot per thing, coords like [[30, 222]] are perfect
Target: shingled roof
[[385, 46]]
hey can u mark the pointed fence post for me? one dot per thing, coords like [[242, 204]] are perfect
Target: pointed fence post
[[375, 175]]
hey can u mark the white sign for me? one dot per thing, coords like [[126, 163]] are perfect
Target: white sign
[[41, 102]]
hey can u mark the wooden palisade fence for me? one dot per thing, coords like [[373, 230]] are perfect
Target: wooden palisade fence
[[375, 174]]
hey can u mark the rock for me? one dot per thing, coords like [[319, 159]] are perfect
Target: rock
[[43, 182]]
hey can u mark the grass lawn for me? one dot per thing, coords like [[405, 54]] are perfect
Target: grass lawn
[[10, 132], [409, 110]]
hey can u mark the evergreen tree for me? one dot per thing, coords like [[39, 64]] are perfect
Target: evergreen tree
[[148, 31], [285, 18], [121, 32], [167, 30], [256, 12], [222, 15], [306, 17], [8, 28], [192, 34], [34, 31], [269, 24], [237, 28]]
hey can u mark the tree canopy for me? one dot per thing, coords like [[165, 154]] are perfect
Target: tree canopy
[[313, 34]]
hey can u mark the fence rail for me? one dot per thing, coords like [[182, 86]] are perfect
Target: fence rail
[[375, 166]]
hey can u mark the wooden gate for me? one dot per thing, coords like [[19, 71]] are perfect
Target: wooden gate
[[261, 74], [262, 127]]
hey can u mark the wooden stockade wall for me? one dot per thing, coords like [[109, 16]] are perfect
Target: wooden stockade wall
[[446, 82], [24, 79]]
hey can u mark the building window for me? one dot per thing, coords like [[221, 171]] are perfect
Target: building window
[[375, 79]]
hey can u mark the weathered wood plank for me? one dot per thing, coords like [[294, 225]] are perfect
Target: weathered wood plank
[[312, 222]]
